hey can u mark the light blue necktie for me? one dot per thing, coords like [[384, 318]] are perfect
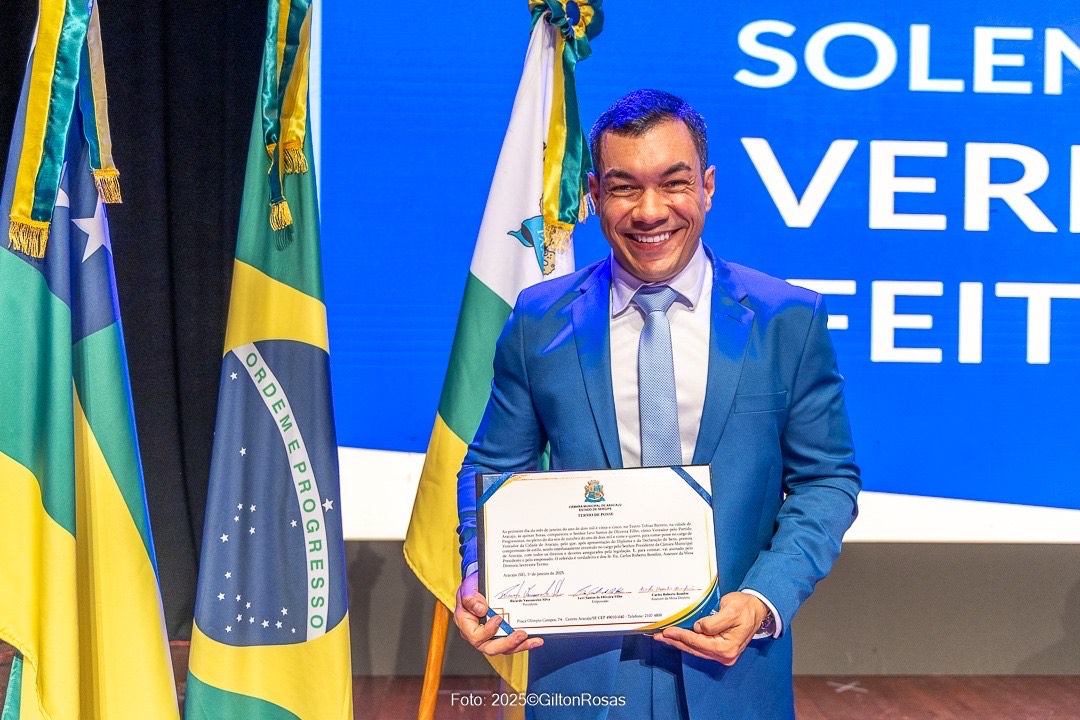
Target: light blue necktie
[[657, 405]]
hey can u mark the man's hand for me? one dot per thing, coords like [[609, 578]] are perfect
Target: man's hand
[[723, 636], [472, 622]]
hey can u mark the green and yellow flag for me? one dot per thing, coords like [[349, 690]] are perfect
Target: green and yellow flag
[[537, 197], [271, 633], [79, 594]]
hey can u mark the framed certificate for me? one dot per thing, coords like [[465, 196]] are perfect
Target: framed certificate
[[604, 551]]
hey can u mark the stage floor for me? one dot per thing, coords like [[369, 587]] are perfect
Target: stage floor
[[941, 697]]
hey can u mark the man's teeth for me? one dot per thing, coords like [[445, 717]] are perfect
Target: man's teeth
[[652, 238]]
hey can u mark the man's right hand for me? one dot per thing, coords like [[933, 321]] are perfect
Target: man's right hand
[[479, 630]]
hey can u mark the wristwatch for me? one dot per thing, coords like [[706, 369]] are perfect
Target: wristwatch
[[768, 624]]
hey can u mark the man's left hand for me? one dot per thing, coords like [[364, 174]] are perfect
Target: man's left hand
[[722, 636]]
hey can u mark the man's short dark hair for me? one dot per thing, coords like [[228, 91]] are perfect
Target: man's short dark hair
[[642, 110]]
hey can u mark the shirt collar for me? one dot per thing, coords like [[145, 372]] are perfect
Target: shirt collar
[[688, 283]]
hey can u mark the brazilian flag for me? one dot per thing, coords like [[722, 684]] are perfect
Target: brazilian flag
[[271, 632]]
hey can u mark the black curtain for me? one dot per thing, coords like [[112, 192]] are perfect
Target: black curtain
[[182, 78]]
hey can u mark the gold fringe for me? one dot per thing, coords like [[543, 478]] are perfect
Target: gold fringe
[[280, 216], [28, 236], [549, 261], [557, 237], [583, 208], [270, 149], [108, 185], [295, 160]]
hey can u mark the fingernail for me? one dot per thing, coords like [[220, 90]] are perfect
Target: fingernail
[[478, 608]]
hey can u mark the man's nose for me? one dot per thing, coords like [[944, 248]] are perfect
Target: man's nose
[[650, 209]]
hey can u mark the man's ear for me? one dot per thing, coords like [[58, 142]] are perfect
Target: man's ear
[[709, 186], [594, 189]]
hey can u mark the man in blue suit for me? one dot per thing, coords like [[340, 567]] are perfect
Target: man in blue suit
[[665, 354]]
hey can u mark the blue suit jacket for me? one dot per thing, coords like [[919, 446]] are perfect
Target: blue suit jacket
[[774, 428]]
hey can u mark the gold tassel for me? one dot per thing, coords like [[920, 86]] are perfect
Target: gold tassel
[[557, 237], [295, 161], [270, 150], [28, 237], [549, 261], [108, 185], [583, 208], [280, 216]]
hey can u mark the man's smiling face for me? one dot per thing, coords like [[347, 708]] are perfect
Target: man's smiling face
[[652, 196]]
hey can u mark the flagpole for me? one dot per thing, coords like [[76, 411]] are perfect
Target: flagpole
[[429, 694]]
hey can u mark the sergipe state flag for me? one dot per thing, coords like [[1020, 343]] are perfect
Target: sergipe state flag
[[271, 631], [79, 594], [536, 197]]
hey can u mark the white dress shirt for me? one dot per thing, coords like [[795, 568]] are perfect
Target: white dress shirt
[[690, 318], [690, 326]]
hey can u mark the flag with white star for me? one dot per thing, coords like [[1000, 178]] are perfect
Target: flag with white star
[[79, 594], [271, 634]]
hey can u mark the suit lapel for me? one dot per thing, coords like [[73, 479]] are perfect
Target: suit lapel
[[591, 315], [728, 338]]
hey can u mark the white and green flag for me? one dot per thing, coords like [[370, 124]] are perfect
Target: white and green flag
[[536, 197]]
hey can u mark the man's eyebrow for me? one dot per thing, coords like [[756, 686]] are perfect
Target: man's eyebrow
[[624, 175], [676, 168], [619, 174]]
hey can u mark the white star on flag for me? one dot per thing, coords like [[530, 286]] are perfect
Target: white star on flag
[[294, 629], [95, 228], [251, 620], [293, 523], [284, 611], [221, 596], [228, 628], [243, 451], [239, 506], [252, 508], [251, 531], [228, 575], [224, 537], [239, 618], [61, 194], [232, 376], [278, 624], [328, 505], [248, 605], [236, 518], [266, 623], [237, 598]]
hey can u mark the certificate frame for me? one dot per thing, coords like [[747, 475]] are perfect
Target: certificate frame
[[633, 524]]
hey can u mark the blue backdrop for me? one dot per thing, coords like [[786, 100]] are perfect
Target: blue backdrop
[[413, 114]]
